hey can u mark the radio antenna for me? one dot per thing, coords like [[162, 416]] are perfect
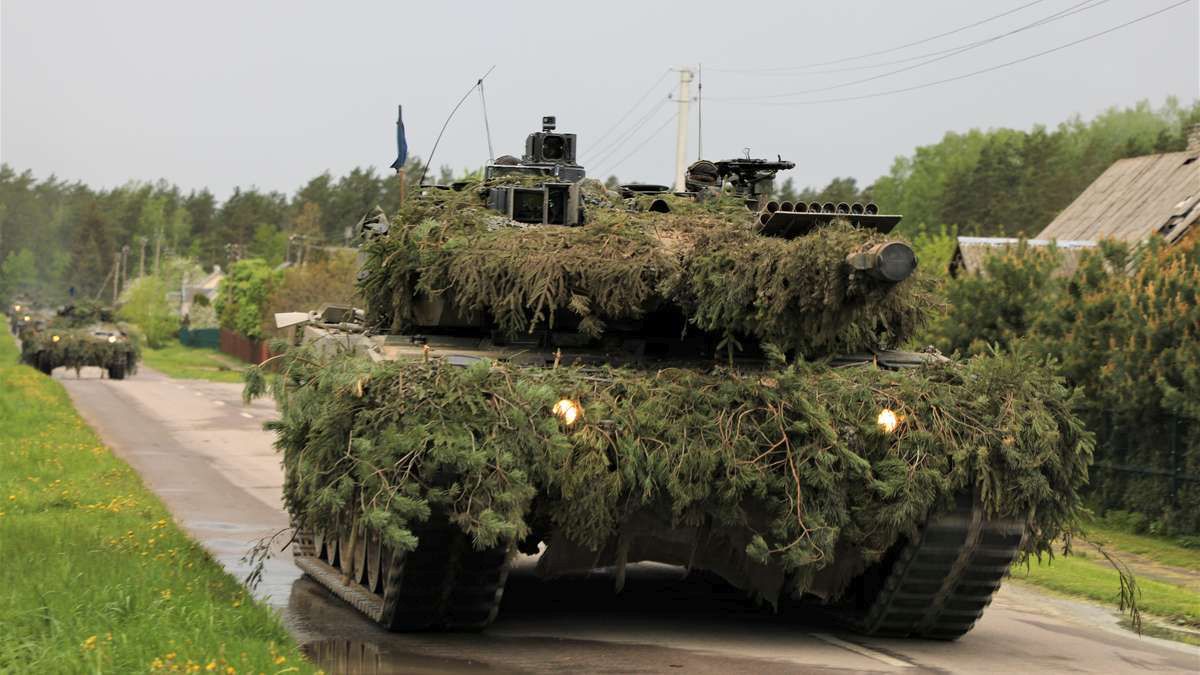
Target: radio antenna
[[700, 111], [487, 128], [429, 162]]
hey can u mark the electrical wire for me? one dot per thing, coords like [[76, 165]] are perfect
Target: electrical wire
[[626, 136], [640, 146], [889, 50], [973, 73], [1077, 8], [917, 57], [428, 162], [635, 105]]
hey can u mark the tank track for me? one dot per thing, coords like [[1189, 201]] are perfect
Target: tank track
[[445, 584], [940, 583]]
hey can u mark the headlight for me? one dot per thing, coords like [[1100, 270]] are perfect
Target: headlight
[[55, 338], [112, 338], [567, 410], [26, 317], [887, 420], [16, 308]]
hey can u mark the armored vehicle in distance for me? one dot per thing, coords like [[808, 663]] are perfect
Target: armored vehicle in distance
[[81, 335]]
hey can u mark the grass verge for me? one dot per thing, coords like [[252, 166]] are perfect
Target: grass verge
[[95, 576], [193, 363], [1090, 576]]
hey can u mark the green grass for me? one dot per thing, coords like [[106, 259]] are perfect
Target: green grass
[[1092, 577], [94, 574], [1160, 549], [193, 363]]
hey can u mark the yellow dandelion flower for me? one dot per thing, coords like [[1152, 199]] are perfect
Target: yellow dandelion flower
[[90, 643], [212, 665], [166, 594], [280, 660]]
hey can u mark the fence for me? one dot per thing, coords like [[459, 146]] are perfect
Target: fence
[[208, 338], [1149, 467], [242, 347]]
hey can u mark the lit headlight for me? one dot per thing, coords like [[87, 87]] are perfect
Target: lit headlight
[[567, 410], [112, 338], [887, 420], [55, 338], [26, 317], [16, 308]]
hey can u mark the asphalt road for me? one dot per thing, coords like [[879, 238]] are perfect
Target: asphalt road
[[207, 456]]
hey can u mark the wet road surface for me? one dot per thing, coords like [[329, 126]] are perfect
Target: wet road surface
[[207, 456]]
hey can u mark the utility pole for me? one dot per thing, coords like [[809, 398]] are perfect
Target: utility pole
[[685, 97], [116, 276], [124, 266], [142, 257], [157, 250]]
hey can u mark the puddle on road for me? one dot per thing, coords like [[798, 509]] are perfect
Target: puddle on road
[[353, 657]]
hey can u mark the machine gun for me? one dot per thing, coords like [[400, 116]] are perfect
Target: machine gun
[[746, 174]]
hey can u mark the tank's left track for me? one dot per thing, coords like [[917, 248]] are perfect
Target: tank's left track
[[445, 584]]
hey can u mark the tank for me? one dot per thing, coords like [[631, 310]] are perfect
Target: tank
[[546, 367], [77, 336]]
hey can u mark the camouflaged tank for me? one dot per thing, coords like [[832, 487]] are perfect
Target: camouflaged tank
[[78, 336], [703, 378]]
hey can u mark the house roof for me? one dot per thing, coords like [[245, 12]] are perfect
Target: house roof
[[972, 251], [1133, 199]]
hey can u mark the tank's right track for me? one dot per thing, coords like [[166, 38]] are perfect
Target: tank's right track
[[940, 583], [445, 584]]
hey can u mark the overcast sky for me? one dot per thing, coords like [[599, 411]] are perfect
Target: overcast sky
[[224, 93]]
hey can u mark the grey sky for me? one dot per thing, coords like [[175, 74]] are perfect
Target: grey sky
[[222, 93]]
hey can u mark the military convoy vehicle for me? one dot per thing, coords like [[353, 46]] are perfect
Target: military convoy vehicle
[[81, 335], [26, 316], [704, 378]]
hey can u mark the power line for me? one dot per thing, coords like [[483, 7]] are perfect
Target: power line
[[889, 50], [626, 136], [916, 57], [633, 107], [1083, 6], [640, 146], [973, 73]]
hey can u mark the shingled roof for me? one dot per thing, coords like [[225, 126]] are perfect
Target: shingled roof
[[1136, 198], [971, 252]]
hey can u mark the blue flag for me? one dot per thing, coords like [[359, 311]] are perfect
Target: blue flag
[[401, 144]]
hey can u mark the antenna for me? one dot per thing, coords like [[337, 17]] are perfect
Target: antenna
[[700, 111], [429, 162], [487, 128]]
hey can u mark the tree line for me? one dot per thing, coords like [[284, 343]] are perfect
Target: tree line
[[1009, 182], [57, 235]]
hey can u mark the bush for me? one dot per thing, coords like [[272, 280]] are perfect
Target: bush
[[145, 304], [305, 288], [242, 296], [1124, 327]]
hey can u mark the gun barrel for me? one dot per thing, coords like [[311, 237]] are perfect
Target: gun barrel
[[891, 261]]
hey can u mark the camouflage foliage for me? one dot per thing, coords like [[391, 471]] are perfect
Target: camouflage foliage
[[705, 258], [791, 456]]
